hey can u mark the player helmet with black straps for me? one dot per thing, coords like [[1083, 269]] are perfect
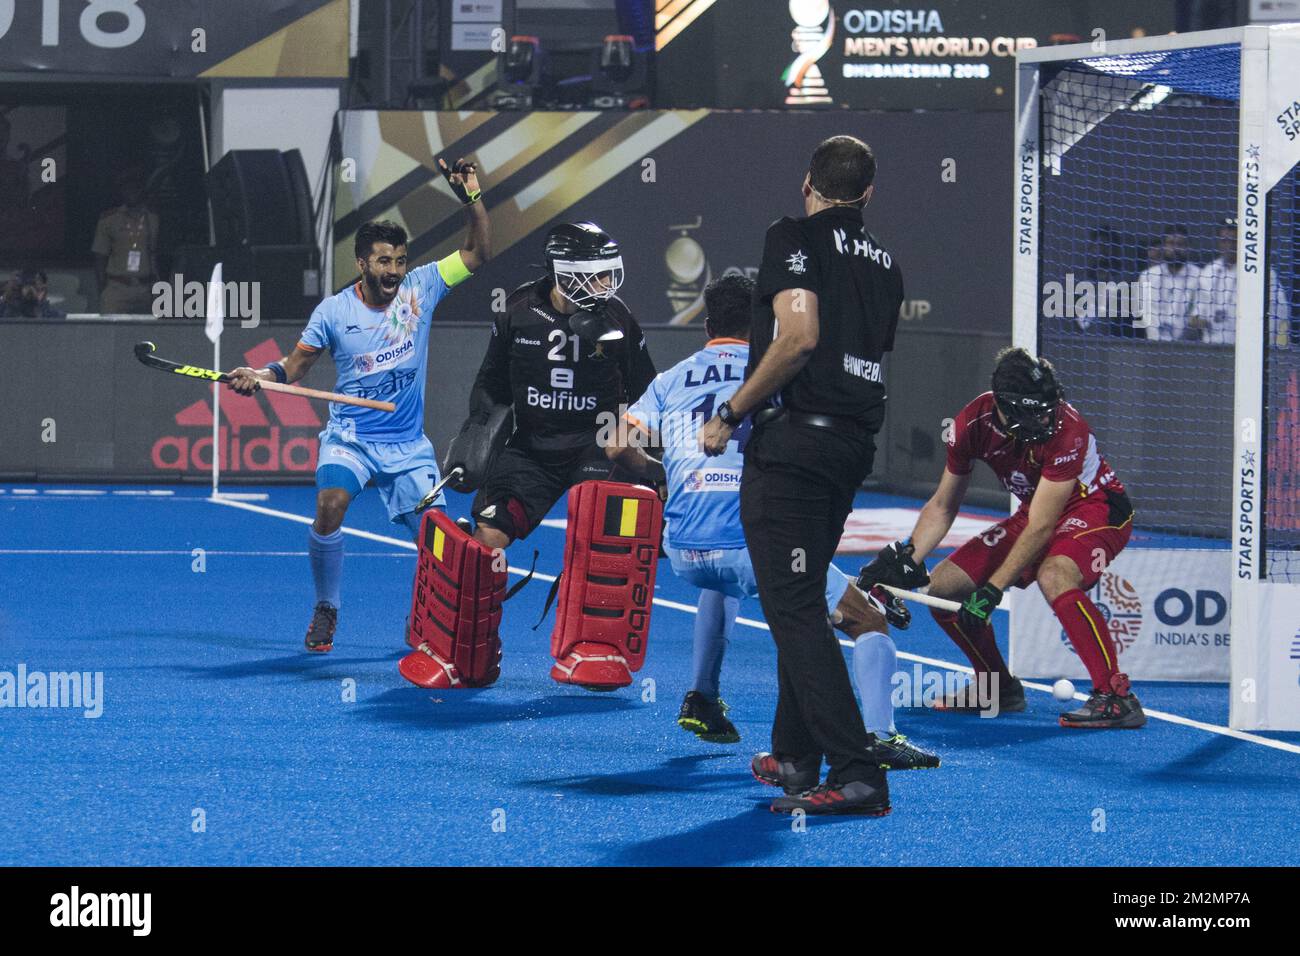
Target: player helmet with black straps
[[1028, 395], [584, 262]]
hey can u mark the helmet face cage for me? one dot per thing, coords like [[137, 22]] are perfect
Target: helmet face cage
[[1025, 414], [586, 282]]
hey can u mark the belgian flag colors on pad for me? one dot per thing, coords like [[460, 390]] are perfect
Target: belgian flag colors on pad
[[625, 517], [611, 554]]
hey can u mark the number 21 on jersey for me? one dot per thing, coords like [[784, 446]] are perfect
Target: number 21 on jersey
[[561, 377]]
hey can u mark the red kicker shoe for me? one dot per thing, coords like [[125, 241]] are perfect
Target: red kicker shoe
[[423, 667], [597, 667]]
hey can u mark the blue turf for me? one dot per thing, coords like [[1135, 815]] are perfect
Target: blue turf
[[211, 704]]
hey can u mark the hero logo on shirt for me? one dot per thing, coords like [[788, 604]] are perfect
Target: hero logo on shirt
[[861, 247], [796, 262], [712, 479]]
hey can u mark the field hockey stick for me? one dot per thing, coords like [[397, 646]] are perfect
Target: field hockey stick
[[144, 352]]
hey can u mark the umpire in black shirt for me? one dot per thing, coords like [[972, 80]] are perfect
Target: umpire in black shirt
[[825, 311]]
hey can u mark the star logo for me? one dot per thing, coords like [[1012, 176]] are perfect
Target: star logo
[[796, 262], [1253, 151], [1248, 459]]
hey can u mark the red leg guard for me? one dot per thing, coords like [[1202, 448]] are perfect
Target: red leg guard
[[455, 610], [611, 553]]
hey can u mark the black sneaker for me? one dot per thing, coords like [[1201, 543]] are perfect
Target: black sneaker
[[897, 753], [1106, 711], [320, 635], [707, 719], [783, 773], [858, 797], [1011, 699]]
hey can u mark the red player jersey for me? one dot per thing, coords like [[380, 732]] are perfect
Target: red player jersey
[[1070, 454]]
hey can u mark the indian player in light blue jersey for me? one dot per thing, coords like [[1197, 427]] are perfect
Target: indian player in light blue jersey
[[377, 333], [705, 542]]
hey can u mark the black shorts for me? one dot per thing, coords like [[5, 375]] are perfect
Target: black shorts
[[524, 485]]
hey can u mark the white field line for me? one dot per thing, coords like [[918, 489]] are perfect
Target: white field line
[[760, 625]]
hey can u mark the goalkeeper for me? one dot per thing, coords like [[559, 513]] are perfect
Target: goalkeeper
[[1073, 520], [566, 352]]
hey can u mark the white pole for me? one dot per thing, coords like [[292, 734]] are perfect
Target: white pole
[[216, 417], [1027, 170], [215, 322], [1250, 638]]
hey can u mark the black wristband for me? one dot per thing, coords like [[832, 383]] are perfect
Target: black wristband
[[729, 418]]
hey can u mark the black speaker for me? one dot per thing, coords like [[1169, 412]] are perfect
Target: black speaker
[[300, 186], [287, 276], [260, 198]]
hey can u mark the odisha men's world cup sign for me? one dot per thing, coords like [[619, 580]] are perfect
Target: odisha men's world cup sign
[[811, 39]]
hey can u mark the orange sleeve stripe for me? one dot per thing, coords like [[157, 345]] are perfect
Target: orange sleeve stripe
[[306, 348], [637, 422]]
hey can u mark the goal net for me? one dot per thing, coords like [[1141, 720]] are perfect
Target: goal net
[[1155, 233]]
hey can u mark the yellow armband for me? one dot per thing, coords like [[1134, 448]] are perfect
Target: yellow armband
[[452, 269]]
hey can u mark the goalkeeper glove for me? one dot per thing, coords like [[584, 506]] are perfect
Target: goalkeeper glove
[[895, 566]]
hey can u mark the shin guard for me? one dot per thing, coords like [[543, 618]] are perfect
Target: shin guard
[[455, 609], [611, 553]]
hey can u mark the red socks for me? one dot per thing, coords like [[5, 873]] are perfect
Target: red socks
[[980, 647], [1090, 635]]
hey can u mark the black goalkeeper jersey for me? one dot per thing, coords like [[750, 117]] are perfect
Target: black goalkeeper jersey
[[560, 386]]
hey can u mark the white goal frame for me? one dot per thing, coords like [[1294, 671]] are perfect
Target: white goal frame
[[1264, 615]]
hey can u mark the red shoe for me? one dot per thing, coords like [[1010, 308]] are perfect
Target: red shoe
[[859, 797], [423, 667], [783, 773], [597, 667]]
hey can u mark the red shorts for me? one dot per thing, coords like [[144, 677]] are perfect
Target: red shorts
[[1098, 527]]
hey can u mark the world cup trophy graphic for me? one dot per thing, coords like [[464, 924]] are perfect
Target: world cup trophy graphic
[[688, 273], [811, 39]]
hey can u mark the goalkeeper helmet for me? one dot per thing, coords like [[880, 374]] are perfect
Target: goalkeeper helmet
[[1028, 395], [584, 262]]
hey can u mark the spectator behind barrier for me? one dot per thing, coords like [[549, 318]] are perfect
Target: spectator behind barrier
[[26, 296], [1216, 303], [126, 250], [1169, 292]]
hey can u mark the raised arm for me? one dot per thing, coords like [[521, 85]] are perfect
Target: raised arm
[[463, 180]]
